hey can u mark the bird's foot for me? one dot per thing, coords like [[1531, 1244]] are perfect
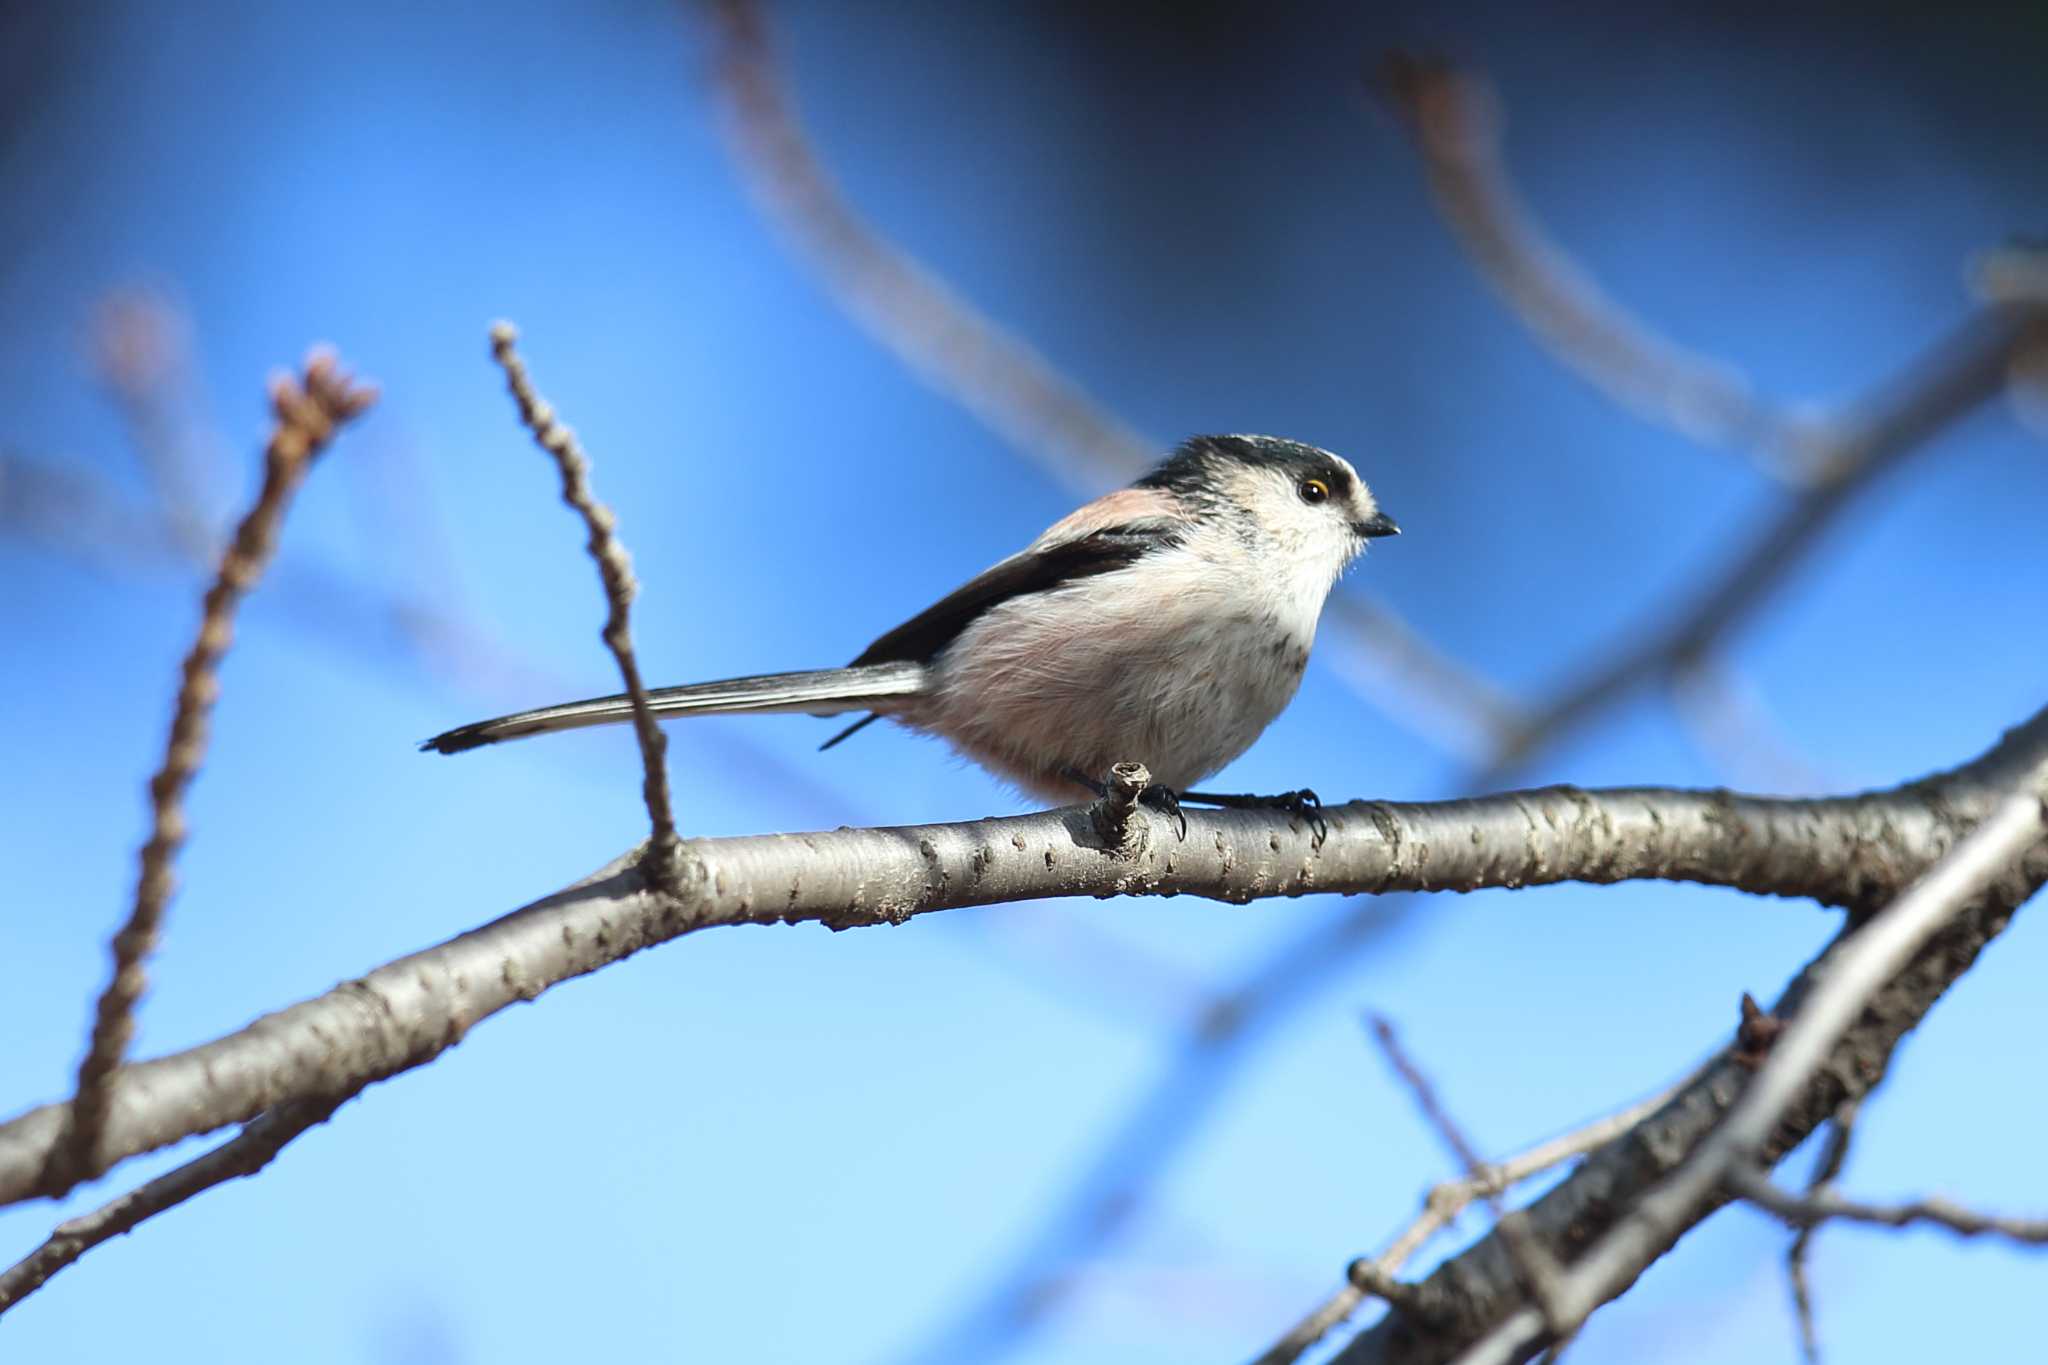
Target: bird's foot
[[1157, 796], [1302, 805], [1166, 801]]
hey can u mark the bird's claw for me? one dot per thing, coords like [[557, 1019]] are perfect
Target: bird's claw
[[1166, 801], [1305, 805]]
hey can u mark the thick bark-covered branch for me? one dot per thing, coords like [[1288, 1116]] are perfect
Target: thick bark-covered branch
[[1848, 1010], [1854, 852]]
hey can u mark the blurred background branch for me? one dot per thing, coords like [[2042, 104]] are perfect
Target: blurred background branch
[[1454, 117]]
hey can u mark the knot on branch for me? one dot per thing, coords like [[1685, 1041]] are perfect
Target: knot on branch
[[1114, 815]]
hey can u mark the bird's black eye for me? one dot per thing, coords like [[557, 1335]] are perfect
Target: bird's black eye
[[1313, 491]]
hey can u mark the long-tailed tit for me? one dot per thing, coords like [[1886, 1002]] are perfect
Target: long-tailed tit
[[1166, 623]]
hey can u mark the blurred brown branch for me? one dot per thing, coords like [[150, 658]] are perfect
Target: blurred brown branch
[[1454, 117], [141, 345], [308, 411]]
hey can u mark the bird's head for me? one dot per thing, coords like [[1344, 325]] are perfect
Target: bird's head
[[1301, 503]]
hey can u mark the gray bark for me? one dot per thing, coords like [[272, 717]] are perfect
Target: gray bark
[[1851, 852]]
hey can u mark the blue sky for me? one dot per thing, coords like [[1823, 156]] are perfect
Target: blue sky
[[770, 1144]]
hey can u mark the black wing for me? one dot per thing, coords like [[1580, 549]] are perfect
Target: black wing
[[1035, 570], [1038, 569]]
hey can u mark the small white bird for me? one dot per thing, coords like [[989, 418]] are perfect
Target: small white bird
[[1166, 623]]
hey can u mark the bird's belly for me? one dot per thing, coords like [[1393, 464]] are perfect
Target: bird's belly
[[1183, 686]]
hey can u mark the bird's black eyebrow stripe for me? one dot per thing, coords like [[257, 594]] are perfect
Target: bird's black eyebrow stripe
[[924, 635], [1191, 471]]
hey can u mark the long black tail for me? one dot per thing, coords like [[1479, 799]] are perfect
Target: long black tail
[[824, 692]]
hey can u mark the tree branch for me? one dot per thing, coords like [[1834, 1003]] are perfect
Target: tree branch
[[614, 567], [1454, 118], [1820, 1206], [1847, 1011], [308, 411], [1841, 1130], [244, 1154], [1845, 851], [1535, 1268]]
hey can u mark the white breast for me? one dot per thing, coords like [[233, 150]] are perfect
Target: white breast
[[1178, 663]]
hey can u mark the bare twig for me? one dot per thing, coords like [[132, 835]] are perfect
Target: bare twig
[[244, 1154], [1424, 1095], [1015, 391], [307, 413], [940, 336], [1860, 965], [1841, 851], [1841, 1129], [1823, 1205], [1537, 1269], [1455, 120], [615, 567], [1440, 1208]]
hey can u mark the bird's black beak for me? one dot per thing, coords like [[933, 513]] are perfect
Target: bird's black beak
[[1378, 524]]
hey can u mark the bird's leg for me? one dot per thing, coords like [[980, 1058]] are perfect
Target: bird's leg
[[1158, 796], [1303, 805]]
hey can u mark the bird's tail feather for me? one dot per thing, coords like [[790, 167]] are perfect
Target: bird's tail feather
[[825, 692]]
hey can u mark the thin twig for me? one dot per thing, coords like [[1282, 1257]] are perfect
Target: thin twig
[[1537, 1269], [1012, 389], [1424, 1095], [308, 411], [244, 1154], [1824, 1205], [614, 567], [1440, 1208], [1455, 120], [1861, 964], [1841, 1129]]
